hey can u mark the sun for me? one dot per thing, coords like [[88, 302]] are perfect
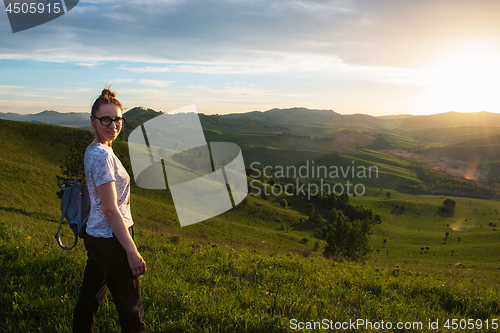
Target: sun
[[466, 79]]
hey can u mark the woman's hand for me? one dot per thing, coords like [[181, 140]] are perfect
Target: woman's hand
[[107, 194], [136, 263]]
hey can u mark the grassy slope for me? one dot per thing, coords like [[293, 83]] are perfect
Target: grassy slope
[[482, 153], [272, 150], [454, 134], [343, 136], [259, 281]]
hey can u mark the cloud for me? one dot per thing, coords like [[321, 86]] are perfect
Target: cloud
[[90, 64], [229, 34], [122, 80], [146, 69], [2, 87], [5, 91], [349, 49], [244, 90], [155, 83]]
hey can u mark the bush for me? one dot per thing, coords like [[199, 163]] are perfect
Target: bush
[[283, 203], [174, 239], [450, 204], [348, 239], [310, 209]]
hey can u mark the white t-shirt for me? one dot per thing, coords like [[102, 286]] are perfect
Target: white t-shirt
[[102, 166]]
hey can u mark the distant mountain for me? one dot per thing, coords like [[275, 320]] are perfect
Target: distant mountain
[[135, 116], [311, 117], [293, 116], [299, 120], [302, 121], [71, 119], [456, 134], [451, 119]]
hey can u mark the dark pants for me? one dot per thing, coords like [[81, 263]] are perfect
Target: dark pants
[[107, 267]]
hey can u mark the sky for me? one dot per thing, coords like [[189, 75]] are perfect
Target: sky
[[376, 57]]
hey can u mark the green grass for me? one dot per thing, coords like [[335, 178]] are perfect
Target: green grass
[[423, 225], [245, 270], [202, 286], [455, 134]]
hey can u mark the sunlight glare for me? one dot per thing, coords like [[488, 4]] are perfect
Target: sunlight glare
[[466, 80]]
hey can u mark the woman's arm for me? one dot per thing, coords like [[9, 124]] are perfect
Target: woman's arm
[[107, 194]]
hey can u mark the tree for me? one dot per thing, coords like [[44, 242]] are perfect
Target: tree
[[449, 203], [388, 195], [314, 218], [283, 203], [332, 215], [310, 209], [348, 239]]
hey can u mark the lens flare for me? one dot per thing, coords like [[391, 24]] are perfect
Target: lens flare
[[463, 224], [477, 167]]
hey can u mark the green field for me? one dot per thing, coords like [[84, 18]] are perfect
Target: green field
[[248, 270]]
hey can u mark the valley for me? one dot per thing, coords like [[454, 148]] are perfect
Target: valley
[[260, 264]]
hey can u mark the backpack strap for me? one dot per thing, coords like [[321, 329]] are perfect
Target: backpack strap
[[78, 174], [65, 201]]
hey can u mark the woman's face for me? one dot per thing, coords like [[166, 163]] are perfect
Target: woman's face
[[106, 134]]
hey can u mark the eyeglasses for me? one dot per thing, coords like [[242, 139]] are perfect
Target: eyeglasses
[[106, 121]]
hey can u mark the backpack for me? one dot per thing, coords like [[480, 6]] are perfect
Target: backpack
[[75, 207]]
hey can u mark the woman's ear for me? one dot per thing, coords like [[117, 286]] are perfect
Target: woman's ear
[[92, 126]]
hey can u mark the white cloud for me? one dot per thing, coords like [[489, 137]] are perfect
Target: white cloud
[[155, 83], [27, 94], [9, 87], [122, 80], [228, 34], [146, 69], [244, 90], [90, 64]]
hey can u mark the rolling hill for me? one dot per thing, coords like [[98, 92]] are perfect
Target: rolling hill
[[303, 121], [72, 119], [254, 268]]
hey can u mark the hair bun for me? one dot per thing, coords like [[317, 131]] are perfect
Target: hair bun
[[107, 94], [107, 97]]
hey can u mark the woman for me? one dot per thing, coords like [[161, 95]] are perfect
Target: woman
[[113, 260]]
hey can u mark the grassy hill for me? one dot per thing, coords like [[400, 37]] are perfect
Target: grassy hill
[[69, 119], [450, 120], [294, 152], [247, 270], [481, 153], [455, 135]]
